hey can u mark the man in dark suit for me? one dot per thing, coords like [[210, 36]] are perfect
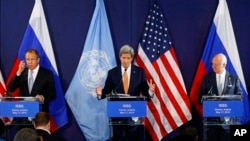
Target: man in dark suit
[[218, 83], [32, 80], [43, 87], [2, 129], [42, 126], [134, 85]]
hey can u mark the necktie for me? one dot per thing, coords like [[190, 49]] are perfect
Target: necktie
[[31, 81], [125, 82], [220, 85]]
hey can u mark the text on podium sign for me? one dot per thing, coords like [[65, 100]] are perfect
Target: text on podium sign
[[126, 109], [19, 108], [222, 108]]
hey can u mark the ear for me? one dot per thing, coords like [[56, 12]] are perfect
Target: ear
[[48, 125]]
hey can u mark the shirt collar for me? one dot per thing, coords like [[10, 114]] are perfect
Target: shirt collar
[[128, 69], [40, 128], [222, 75], [35, 71]]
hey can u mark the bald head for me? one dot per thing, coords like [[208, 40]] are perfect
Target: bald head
[[219, 63]]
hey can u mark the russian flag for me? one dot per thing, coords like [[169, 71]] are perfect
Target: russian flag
[[221, 39], [37, 36]]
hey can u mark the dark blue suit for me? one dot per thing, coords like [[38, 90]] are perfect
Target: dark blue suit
[[137, 85], [209, 87], [49, 137], [43, 85]]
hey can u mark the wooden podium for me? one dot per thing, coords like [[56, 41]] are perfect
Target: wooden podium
[[125, 110]]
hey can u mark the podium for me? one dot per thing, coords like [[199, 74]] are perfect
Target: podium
[[124, 110], [20, 110], [219, 112], [19, 107]]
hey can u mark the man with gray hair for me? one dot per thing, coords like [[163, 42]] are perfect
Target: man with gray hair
[[130, 80], [220, 82]]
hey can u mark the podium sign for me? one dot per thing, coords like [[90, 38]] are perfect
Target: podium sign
[[19, 108], [223, 108], [126, 109]]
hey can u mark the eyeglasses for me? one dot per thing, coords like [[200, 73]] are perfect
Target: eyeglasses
[[217, 64]]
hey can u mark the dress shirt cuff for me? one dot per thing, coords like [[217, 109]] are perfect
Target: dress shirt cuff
[[151, 94], [99, 96]]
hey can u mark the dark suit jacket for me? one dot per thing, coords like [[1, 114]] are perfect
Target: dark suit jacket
[[137, 84], [49, 137], [209, 85], [44, 85]]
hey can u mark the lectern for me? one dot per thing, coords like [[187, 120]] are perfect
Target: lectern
[[124, 110], [20, 109], [18, 106], [219, 112]]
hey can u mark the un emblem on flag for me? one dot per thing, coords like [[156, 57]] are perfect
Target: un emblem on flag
[[92, 70]]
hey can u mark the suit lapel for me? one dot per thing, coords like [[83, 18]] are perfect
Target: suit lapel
[[25, 76], [215, 83], [226, 81], [132, 80], [38, 76], [119, 80]]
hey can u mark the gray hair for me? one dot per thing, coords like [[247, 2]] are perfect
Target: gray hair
[[127, 49], [223, 58]]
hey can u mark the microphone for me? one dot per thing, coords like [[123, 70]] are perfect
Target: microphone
[[120, 82], [7, 93], [210, 91]]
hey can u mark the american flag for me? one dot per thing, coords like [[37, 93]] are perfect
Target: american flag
[[170, 106], [6, 120], [2, 85]]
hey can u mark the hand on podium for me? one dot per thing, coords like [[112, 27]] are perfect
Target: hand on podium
[[39, 98]]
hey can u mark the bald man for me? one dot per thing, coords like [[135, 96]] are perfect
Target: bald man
[[219, 83], [220, 78]]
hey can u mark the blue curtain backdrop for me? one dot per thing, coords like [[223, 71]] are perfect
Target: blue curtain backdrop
[[68, 22]]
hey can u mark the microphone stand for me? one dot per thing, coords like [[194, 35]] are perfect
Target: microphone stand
[[114, 92]]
